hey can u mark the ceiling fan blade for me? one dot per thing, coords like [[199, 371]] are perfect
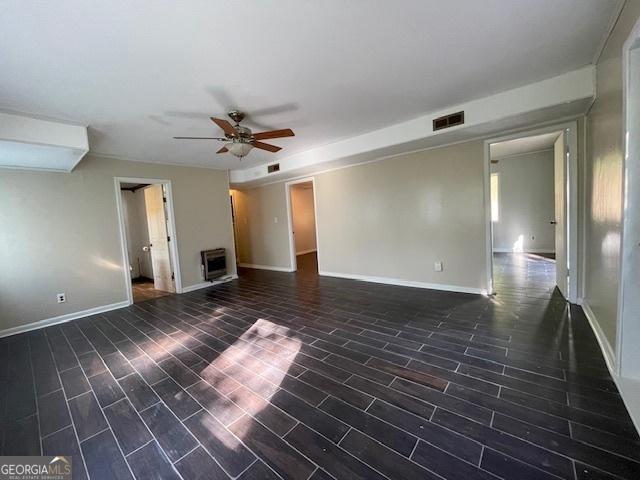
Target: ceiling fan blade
[[224, 125], [285, 132], [223, 150], [266, 146], [201, 138]]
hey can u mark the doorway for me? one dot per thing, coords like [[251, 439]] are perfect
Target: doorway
[[303, 237], [234, 226], [148, 236], [531, 212]]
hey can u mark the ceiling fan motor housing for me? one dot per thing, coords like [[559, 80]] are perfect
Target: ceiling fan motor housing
[[236, 115], [243, 133]]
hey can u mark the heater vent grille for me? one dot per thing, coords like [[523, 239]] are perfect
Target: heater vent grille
[[273, 168], [448, 121]]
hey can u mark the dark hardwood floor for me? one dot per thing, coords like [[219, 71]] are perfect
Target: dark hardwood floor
[[144, 289], [307, 264], [280, 375]]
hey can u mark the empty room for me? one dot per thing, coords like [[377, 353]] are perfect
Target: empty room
[[529, 214], [320, 240]]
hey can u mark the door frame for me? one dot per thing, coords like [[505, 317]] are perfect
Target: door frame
[[627, 329], [171, 228], [292, 241], [571, 129]]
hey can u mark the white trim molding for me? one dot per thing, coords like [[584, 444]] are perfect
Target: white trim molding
[[266, 267], [628, 388], [605, 346], [47, 322], [292, 240], [628, 328], [571, 129], [531, 250], [171, 231], [405, 283], [304, 252], [201, 285]]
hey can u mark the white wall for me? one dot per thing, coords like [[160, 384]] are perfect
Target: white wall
[[135, 214], [304, 220], [603, 195], [394, 218], [390, 219], [526, 202], [59, 232], [262, 226]]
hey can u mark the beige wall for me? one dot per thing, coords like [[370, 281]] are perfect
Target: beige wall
[[396, 217], [261, 226], [392, 218], [59, 232], [304, 217], [604, 180], [526, 202]]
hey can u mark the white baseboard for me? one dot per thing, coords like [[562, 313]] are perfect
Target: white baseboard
[[200, 285], [61, 319], [629, 388], [404, 283], [530, 250], [605, 346], [47, 322], [303, 252], [266, 267], [630, 392]]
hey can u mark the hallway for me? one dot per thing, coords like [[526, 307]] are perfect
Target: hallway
[[307, 264], [144, 289], [524, 273]]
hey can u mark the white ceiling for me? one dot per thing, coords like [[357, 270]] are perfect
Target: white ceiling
[[141, 72], [519, 146]]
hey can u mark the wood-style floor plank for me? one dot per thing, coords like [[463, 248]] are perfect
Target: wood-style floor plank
[[292, 375]]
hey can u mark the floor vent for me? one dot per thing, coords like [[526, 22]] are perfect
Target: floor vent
[[448, 121], [273, 168]]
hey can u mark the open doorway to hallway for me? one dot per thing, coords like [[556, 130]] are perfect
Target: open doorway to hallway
[[147, 228], [302, 226], [529, 212]]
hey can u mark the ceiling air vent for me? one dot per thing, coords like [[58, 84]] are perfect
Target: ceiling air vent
[[273, 168], [448, 121]]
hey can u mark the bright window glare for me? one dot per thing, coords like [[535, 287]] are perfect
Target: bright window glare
[[495, 197]]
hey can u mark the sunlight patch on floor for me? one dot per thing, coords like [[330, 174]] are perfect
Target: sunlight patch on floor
[[242, 379]]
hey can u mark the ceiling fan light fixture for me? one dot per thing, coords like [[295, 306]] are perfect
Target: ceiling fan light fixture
[[239, 149], [240, 140]]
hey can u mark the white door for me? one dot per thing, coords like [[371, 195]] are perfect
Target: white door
[[158, 238], [560, 188]]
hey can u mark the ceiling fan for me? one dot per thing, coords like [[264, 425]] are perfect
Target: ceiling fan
[[241, 140]]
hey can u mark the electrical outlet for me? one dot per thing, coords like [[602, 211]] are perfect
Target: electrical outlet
[[275, 219], [61, 297], [437, 266]]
